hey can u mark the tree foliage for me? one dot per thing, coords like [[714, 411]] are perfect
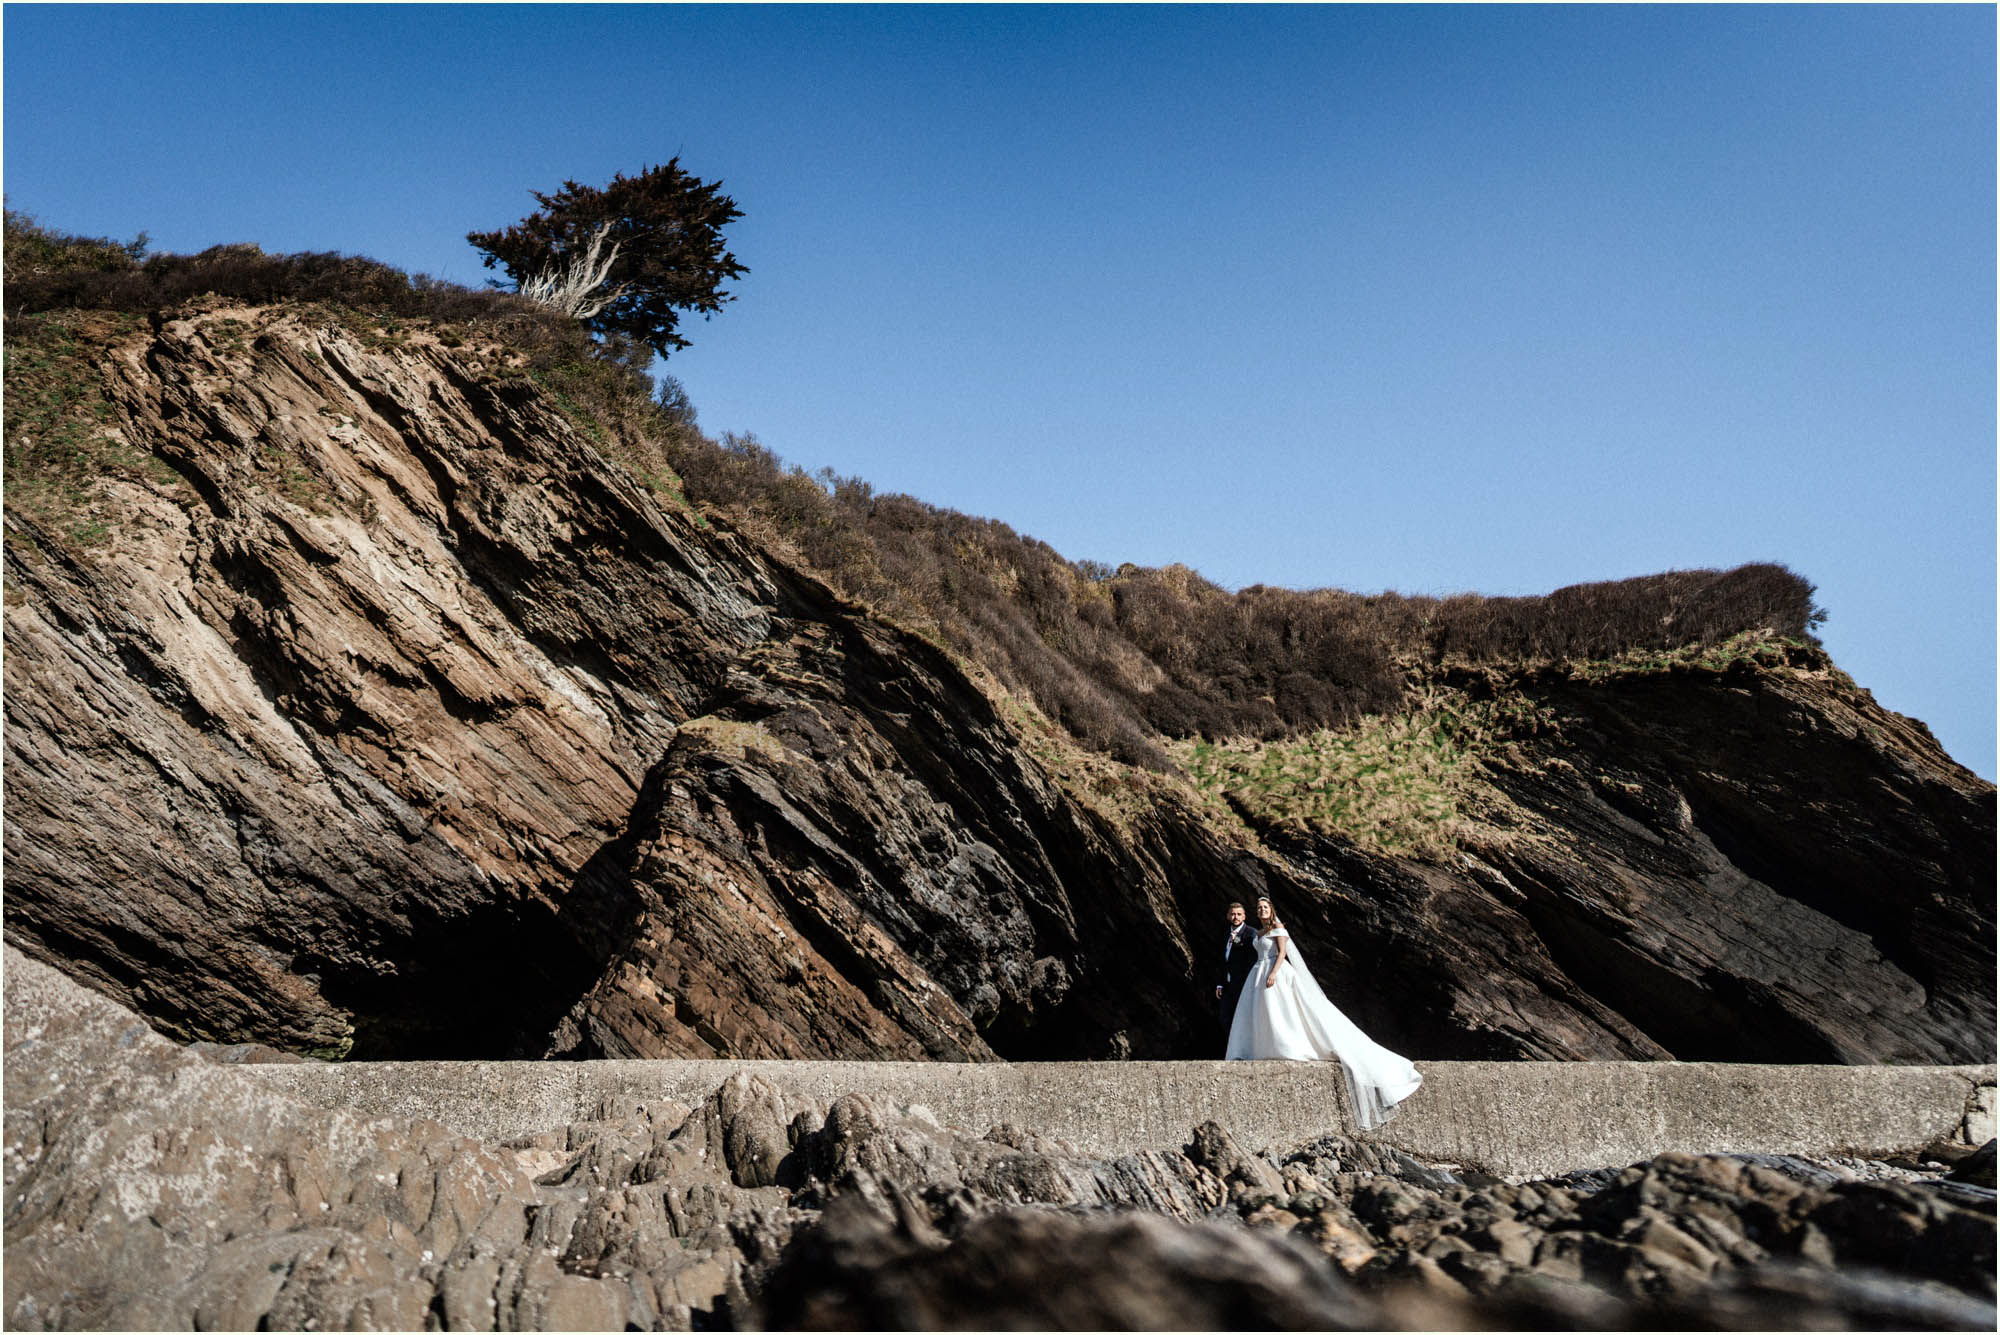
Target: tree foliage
[[662, 232]]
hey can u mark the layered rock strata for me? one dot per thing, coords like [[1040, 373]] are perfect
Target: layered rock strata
[[393, 720]]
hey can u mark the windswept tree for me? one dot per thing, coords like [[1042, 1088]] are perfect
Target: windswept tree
[[627, 259]]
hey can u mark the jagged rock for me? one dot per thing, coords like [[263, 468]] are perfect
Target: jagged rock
[[1792, 1166], [1782, 1295], [1596, 866], [121, 1213], [754, 1129], [147, 1186], [411, 726], [1976, 1170], [1245, 1176], [1899, 1226], [1340, 1236], [376, 784], [1040, 1270]]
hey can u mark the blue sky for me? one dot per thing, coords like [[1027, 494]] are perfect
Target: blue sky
[[1424, 298]]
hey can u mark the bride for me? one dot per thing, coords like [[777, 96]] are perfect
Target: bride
[[1283, 1014]]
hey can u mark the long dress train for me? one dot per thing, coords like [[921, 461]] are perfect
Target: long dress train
[[1292, 1020]]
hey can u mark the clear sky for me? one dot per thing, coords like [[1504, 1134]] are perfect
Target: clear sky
[[1421, 298]]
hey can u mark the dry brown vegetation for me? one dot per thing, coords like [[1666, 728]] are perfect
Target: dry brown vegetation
[[1122, 657], [1119, 659]]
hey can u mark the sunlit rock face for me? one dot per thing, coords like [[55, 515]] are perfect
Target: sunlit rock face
[[389, 718]]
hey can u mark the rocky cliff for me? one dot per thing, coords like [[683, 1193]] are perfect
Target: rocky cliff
[[366, 706]]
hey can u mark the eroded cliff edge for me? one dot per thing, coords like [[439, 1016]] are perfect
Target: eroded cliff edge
[[383, 714]]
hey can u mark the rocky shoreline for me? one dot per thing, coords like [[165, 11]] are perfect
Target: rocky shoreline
[[149, 1185]]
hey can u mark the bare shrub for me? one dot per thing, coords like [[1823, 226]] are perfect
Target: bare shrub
[[35, 251], [245, 273], [1603, 619], [1120, 658]]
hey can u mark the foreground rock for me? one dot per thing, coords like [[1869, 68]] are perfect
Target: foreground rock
[[150, 1186]]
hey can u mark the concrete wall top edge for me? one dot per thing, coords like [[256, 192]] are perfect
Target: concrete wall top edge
[[1512, 1117]]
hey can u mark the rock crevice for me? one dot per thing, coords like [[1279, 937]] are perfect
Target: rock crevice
[[410, 725]]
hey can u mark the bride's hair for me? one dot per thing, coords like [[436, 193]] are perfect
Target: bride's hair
[[1264, 901]]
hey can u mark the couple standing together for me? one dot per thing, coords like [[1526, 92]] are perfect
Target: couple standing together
[[1273, 1008]]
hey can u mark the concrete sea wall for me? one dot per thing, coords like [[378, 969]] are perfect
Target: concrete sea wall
[[1508, 1117]]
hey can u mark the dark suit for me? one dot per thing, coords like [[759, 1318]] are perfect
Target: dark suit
[[1237, 963]]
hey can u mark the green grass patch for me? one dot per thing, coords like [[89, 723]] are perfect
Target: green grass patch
[[1760, 648], [610, 406], [561, 383], [1391, 784], [62, 439]]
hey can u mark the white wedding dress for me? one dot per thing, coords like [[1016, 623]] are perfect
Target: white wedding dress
[[1292, 1020]]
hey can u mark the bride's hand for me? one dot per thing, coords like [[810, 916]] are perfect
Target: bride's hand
[[1272, 980]]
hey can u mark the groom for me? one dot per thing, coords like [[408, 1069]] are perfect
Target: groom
[[1239, 954]]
